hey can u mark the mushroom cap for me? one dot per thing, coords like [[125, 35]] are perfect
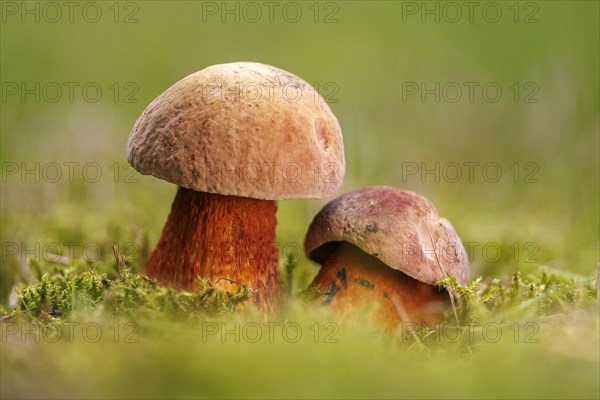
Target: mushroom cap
[[400, 228], [241, 129]]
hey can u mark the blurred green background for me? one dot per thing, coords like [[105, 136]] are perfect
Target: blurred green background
[[362, 57]]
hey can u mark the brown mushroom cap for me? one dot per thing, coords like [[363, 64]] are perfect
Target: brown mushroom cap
[[241, 129], [397, 227]]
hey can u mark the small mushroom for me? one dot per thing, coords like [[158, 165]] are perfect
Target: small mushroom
[[386, 246], [234, 138]]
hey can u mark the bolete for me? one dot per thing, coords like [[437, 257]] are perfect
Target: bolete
[[234, 138], [386, 246]]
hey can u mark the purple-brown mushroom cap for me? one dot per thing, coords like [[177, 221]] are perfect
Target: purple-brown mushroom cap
[[400, 228]]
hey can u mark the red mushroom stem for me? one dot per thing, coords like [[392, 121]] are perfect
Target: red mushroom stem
[[215, 236], [350, 278]]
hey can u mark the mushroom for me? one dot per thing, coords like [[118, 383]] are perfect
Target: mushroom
[[386, 246], [234, 137]]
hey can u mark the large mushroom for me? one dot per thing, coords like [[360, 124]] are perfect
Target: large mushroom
[[234, 138], [386, 246]]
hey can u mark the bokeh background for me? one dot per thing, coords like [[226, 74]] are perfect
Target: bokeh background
[[543, 131]]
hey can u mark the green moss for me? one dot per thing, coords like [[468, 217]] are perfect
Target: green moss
[[198, 342], [536, 295], [63, 290]]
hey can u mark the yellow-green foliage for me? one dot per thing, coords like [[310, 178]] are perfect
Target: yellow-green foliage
[[547, 322], [68, 289], [62, 290]]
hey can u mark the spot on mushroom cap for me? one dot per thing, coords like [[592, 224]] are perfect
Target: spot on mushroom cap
[[242, 129], [401, 228]]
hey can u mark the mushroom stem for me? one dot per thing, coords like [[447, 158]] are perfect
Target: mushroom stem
[[215, 236], [350, 279]]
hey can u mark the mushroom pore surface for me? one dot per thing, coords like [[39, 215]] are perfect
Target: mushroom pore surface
[[350, 277]]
